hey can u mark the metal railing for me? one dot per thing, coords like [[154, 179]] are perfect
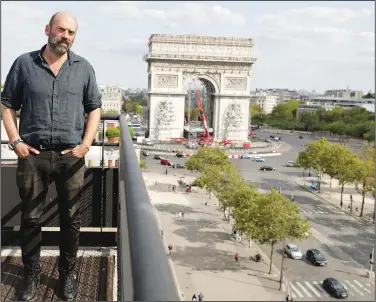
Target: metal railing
[[151, 274]]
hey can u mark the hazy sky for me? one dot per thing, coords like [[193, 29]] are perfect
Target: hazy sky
[[303, 45]]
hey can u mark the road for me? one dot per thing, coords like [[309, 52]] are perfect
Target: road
[[345, 241]]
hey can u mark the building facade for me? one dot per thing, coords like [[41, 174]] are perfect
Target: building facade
[[267, 101], [112, 98], [222, 64]]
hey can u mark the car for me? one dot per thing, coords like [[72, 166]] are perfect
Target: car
[[272, 136], [335, 288], [267, 168], [293, 251], [177, 166], [315, 257], [290, 163], [156, 156], [267, 140], [179, 154], [259, 159], [245, 156], [301, 137], [144, 153], [165, 162]]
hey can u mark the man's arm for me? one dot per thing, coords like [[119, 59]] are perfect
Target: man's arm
[[92, 106], [11, 101]]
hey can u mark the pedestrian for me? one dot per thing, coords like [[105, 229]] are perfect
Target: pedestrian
[[206, 203], [200, 297], [182, 215], [287, 297], [236, 257], [169, 249], [162, 234], [194, 297], [54, 88]]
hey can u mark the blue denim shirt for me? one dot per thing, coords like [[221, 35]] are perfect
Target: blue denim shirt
[[52, 108]]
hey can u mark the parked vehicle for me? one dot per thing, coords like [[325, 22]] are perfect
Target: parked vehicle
[[267, 168], [315, 257], [335, 288], [293, 251], [179, 154], [290, 163], [245, 156], [156, 156], [178, 166], [144, 153]]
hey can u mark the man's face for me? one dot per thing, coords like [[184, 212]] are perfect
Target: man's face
[[61, 34]]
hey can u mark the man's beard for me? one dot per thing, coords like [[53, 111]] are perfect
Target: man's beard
[[58, 48]]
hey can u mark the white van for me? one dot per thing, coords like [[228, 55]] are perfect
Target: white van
[[290, 163]]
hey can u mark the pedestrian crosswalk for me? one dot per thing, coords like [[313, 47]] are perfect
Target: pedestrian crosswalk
[[319, 211], [315, 289]]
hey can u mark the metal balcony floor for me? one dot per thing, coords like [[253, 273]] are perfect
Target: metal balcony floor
[[94, 273]]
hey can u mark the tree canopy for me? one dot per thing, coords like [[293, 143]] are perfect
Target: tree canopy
[[206, 157]]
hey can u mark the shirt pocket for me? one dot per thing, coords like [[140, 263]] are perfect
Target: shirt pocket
[[75, 85]]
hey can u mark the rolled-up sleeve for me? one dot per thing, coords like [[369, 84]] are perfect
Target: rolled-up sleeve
[[11, 96], [92, 96]]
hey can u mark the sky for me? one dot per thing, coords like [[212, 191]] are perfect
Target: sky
[[298, 45]]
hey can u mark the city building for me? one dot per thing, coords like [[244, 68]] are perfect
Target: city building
[[329, 103], [112, 98], [266, 100], [344, 93]]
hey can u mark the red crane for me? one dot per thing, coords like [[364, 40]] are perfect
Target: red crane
[[203, 118]]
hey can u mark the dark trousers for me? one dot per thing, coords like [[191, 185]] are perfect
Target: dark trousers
[[34, 175]]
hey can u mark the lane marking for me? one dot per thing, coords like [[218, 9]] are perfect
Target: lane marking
[[295, 291], [361, 286], [312, 289], [303, 289], [346, 288], [321, 212], [320, 287], [354, 287]]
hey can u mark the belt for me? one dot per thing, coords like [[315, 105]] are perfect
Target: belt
[[59, 147]]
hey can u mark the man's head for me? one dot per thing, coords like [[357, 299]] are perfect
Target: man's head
[[61, 32]]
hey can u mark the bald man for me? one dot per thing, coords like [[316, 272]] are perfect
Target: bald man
[[53, 88]]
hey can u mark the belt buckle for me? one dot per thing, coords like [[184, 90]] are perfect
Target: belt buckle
[[42, 148]]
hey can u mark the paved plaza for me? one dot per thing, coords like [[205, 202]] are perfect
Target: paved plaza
[[203, 251]]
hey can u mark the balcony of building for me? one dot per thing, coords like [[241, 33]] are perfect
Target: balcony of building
[[121, 255]]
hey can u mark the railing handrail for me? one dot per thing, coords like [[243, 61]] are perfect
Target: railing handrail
[[152, 276]]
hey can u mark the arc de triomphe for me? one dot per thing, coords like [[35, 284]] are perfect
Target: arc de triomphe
[[222, 63]]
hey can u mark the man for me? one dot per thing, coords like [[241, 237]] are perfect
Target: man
[[54, 88]]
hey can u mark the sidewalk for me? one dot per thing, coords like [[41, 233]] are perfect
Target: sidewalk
[[333, 196], [203, 251]]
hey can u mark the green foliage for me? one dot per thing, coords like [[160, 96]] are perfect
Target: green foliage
[[131, 131], [205, 157], [143, 164], [365, 173], [138, 109], [269, 218], [195, 114], [112, 132], [354, 122], [259, 119], [369, 95], [255, 109]]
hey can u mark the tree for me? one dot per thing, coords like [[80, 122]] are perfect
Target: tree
[[143, 164], [369, 136], [365, 173], [205, 157], [138, 109], [226, 182], [369, 95], [255, 109], [343, 162], [270, 218], [129, 107], [195, 113]]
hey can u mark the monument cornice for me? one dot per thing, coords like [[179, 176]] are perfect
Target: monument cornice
[[201, 39], [167, 57]]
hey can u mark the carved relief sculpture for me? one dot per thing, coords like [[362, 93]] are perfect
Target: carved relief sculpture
[[170, 81], [236, 83], [164, 116], [232, 118]]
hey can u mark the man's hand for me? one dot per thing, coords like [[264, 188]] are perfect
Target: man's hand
[[78, 151], [22, 150]]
